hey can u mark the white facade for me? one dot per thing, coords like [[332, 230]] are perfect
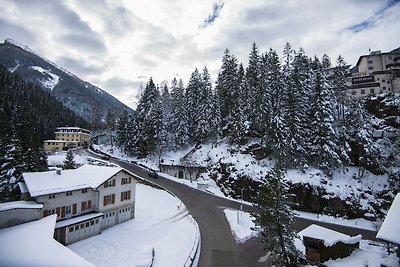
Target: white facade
[[85, 200]]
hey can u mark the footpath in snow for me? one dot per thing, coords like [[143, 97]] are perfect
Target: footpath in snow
[[161, 221]]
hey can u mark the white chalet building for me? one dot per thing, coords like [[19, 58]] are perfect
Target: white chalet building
[[86, 200]]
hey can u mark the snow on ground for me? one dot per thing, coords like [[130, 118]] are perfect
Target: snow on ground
[[356, 223], [369, 254], [57, 159], [51, 79], [241, 224], [162, 221]]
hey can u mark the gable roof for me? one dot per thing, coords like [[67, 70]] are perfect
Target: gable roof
[[389, 230], [34, 244], [330, 237], [87, 176]]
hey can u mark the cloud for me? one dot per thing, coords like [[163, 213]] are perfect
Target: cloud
[[78, 66], [86, 43]]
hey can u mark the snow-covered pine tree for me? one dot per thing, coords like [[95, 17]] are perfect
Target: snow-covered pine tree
[[254, 90], [340, 88], [225, 83], [179, 123], [325, 150], [275, 138], [297, 107], [122, 130], [276, 218], [193, 105], [204, 109], [150, 122], [238, 128], [69, 162], [326, 62]]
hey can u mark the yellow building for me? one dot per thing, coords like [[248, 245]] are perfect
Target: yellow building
[[68, 137]]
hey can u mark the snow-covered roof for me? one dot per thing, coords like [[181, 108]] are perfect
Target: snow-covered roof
[[32, 244], [329, 236], [87, 176], [20, 205], [389, 230], [55, 141], [22, 187], [78, 219]]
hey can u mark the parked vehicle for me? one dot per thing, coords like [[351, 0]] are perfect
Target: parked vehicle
[[153, 174], [146, 257]]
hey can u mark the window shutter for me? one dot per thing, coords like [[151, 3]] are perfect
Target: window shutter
[[113, 198], [122, 196], [113, 182], [58, 211], [89, 203], [62, 211], [105, 184], [129, 194], [130, 179], [104, 200], [122, 181], [74, 209], [45, 213]]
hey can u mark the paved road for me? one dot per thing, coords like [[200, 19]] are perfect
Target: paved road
[[218, 247]]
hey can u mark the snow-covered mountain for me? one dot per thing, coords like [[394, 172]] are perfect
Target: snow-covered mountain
[[85, 99]]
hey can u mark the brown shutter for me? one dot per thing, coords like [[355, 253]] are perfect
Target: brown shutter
[[58, 211], [130, 179], [74, 209], [129, 194], [105, 200], [113, 182], [113, 198], [105, 184], [89, 203], [45, 213], [62, 211], [122, 196], [83, 205], [122, 181]]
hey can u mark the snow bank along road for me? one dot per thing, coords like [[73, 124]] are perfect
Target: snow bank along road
[[218, 246]]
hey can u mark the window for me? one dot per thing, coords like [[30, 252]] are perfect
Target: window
[[84, 191], [71, 229], [51, 212], [82, 225], [353, 92], [52, 196], [384, 88], [126, 180], [362, 91], [372, 91], [109, 199], [68, 210], [86, 205], [383, 80], [69, 193], [125, 195], [87, 224], [91, 222], [97, 221], [76, 227], [369, 61], [369, 68], [108, 183]]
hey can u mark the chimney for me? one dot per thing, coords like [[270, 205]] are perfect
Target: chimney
[[58, 171]]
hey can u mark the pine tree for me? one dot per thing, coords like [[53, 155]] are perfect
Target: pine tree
[[227, 80], [204, 109], [122, 130], [238, 127], [276, 219], [179, 120], [325, 151], [69, 162], [340, 88]]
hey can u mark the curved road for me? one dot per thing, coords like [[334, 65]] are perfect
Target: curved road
[[218, 247]]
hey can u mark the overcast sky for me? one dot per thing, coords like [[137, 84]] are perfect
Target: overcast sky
[[118, 45]]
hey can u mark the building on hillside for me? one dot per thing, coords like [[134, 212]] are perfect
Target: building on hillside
[[182, 172], [32, 244], [86, 200], [389, 230], [323, 244], [376, 73], [68, 137]]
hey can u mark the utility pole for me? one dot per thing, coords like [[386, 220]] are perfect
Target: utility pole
[[241, 207]]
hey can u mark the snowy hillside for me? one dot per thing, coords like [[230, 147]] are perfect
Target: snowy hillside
[[85, 99]]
